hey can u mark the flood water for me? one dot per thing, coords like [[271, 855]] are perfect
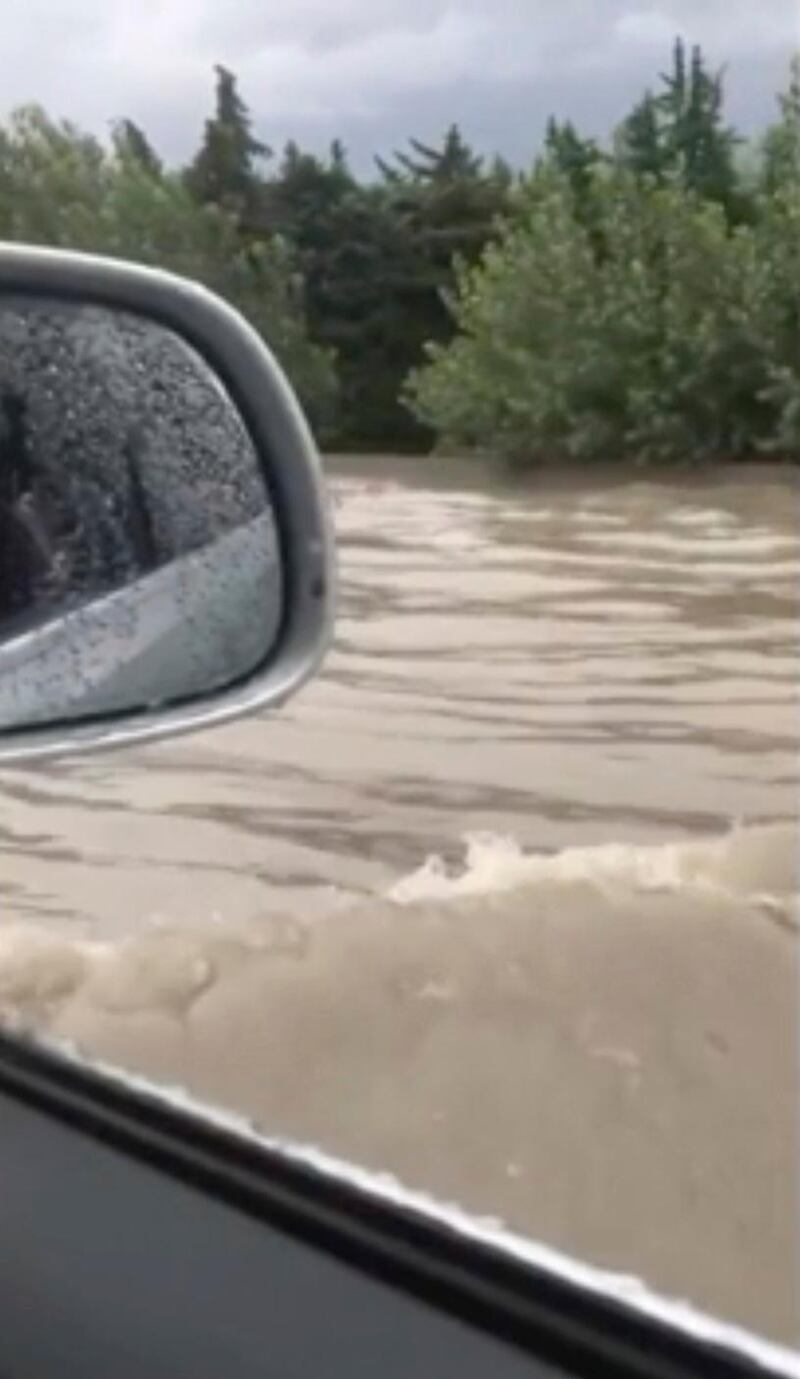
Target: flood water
[[505, 902]]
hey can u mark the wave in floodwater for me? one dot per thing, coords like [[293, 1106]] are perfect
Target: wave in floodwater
[[166, 969], [757, 866]]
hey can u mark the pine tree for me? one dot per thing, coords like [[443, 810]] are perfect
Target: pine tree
[[781, 147], [301, 198], [577, 158], [699, 145], [501, 173], [225, 170], [673, 99], [640, 142], [131, 142], [453, 161], [338, 158]]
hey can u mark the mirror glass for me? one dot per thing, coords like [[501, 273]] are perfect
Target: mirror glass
[[139, 558]]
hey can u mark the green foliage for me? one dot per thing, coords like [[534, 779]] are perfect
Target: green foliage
[[681, 342], [698, 141], [581, 162], [781, 148], [635, 301], [640, 144], [318, 208], [130, 142], [225, 170], [376, 260], [62, 188], [577, 158], [452, 162], [681, 133], [373, 304], [775, 291]]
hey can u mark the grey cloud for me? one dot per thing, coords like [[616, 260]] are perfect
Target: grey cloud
[[374, 71]]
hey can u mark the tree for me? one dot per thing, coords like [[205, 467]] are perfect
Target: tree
[[501, 174], [680, 344], [577, 158], [680, 135], [225, 171], [453, 161], [131, 142], [376, 260], [302, 204], [640, 145], [338, 159], [698, 143], [781, 145], [52, 178], [368, 299], [442, 206], [305, 190], [774, 300]]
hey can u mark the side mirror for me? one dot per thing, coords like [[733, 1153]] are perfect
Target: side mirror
[[165, 549]]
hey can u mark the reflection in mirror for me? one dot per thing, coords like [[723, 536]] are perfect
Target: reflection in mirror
[[138, 555]]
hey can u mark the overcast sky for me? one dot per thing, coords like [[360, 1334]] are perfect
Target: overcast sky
[[375, 71]]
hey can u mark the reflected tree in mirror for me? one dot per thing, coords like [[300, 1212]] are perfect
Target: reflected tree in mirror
[[138, 555]]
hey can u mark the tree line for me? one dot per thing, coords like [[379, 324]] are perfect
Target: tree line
[[635, 299]]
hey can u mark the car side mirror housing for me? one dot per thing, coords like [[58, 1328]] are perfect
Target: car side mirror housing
[[166, 556]]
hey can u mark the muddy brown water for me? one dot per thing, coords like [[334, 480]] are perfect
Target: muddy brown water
[[505, 902]]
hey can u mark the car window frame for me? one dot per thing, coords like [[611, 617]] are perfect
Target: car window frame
[[556, 1325]]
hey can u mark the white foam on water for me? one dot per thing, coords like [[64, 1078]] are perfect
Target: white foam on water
[[703, 517], [164, 967], [757, 865]]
